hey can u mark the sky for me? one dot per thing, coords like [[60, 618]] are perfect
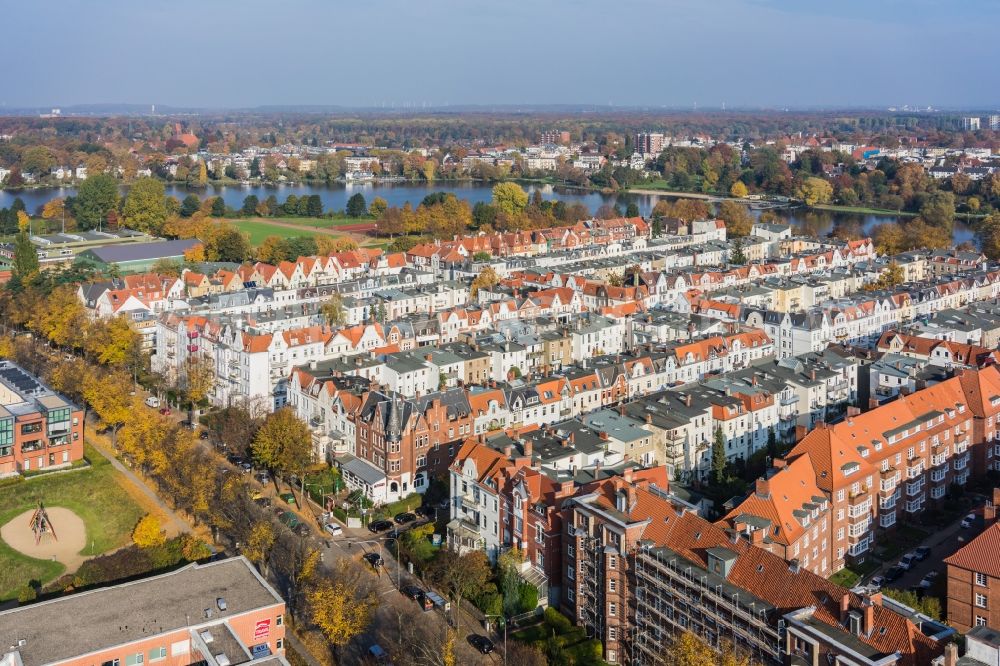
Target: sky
[[394, 53]]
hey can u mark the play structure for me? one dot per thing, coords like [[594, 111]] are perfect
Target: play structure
[[41, 524]]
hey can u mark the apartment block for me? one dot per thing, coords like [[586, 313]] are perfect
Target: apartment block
[[219, 614], [39, 429]]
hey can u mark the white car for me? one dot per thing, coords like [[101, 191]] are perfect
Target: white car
[[152, 401], [333, 529], [968, 520], [906, 562], [875, 584]]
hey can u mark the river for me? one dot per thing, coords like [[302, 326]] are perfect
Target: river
[[335, 198]]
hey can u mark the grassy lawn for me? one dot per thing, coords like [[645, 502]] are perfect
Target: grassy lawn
[[862, 210], [307, 222], [849, 576], [572, 640], [258, 230], [95, 494]]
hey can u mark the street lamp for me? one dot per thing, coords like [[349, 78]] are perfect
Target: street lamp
[[503, 621]]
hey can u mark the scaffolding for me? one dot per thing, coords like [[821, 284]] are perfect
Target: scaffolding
[[672, 595]]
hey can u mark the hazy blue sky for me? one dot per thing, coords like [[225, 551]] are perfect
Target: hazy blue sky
[[623, 52]]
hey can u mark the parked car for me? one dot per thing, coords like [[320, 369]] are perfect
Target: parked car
[[481, 643], [406, 517], [303, 530], [906, 562], [876, 583], [378, 654], [893, 574], [203, 435], [333, 529], [263, 502], [425, 511], [165, 411], [247, 468], [927, 581], [922, 553], [152, 401], [373, 559], [968, 521], [413, 592], [379, 526], [288, 498]]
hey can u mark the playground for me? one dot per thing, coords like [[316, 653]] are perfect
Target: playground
[[57, 534]]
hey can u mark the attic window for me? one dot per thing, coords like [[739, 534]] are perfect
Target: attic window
[[760, 568]]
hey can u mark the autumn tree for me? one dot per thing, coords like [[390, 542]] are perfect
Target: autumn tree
[[333, 311], [145, 206], [689, 210], [103, 392], [338, 611], [377, 207], [461, 575], [96, 197], [148, 533], [486, 279], [989, 235], [283, 444], [258, 546], [509, 198], [739, 221], [113, 342], [739, 190], [196, 382], [889, 238], [63, 320], [55, 209], [939, 210], [815, 191]]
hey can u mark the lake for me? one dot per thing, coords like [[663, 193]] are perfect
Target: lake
[[335, 198]]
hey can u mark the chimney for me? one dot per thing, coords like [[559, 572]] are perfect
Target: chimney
[[845, 604], [507, 450], [621, 408], [687, 399], [526, 446], [761, 487], [603, 435], [597, 468], [951, 654], [800, 432], [869, 616], [566, 488], [627, 474], [757, 537], [649, 419]]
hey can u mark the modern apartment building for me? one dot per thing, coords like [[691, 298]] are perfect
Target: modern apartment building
[[39, 428], [219, 614]]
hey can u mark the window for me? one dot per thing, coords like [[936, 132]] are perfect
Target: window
[[612, 585], [980, 600], [133, 659], [980, 579], [280, 643], [112, 662], [980, 621], [612, 633], [612, 561], [279, 621], [157, 653], [612, 611]]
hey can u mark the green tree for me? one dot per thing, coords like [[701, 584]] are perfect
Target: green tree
[[283, 444], [632, 210], [190, 205], [736, 255], [218, 207], [719, 456], [250, 204], [939, 210], [227, 244], [357, 206], [772, 444], [509, 198], [97, 196], [145, 206], [25, 266], [314, 205]]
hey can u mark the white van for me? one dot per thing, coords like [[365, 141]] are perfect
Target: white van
[[152, 401]]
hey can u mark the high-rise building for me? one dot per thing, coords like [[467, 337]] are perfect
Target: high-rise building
[[649, 143], [994, 121], [970, 124], [555, 137]]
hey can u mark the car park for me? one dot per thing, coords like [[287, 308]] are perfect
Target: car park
[[922, 552], [333, 529], [968, 521], [403, 518], [425, 511], [379, 526], [373, 559], [481, 643]]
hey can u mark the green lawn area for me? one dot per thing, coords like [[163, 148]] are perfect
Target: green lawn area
[[258, 230], [307, 222], [94, 494], [571, 640], [849, 576]]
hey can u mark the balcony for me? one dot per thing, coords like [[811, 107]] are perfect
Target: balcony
[[890, 478], [888, 502], [961, 463], [839, 386], [859, 548], [961, 446], [192, 335], [791, 400], [914, 488], [192, 348], [938, 475], [915, 469]]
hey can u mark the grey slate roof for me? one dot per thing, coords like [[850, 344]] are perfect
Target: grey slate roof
[[142, 251]]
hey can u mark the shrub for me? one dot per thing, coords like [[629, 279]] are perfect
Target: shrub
[[557, 621], [148, 533], [527, 597], [26, 594]]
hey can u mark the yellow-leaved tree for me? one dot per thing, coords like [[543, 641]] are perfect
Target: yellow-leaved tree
[[259, 544], [739, 190], [338, 612], [148, 533]]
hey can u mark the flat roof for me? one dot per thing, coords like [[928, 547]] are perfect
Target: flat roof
[[82, 623]]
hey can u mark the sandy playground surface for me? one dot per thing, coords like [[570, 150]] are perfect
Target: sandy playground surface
[[69, 528]]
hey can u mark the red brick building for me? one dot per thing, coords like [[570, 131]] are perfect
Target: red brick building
[[974, 577], [39, 428]]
